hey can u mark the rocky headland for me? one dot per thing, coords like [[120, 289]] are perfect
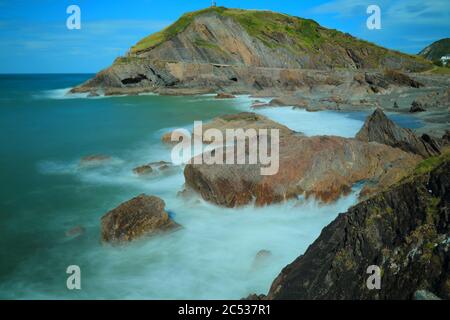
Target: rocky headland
[[247, 51]]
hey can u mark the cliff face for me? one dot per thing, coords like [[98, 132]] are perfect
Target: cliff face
[[241, 49], [436, 50], [404, 230]]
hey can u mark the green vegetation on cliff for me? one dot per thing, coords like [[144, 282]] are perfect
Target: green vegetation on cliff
[[436, 50], [277, 30]]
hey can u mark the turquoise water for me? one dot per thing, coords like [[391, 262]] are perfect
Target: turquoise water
[[44, 193]]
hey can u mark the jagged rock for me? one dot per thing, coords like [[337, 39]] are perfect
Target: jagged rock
[[379, 128], [322, 166], [225, 96], [416, 107], [404, 231], [396, 105], [141, 216]]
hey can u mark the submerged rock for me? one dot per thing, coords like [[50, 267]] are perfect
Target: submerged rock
[[75, 232], [141, 216], [143, 170], [94, 160], [404, 231], [225, 96], [152, 167], [261, 259], [379, 128]]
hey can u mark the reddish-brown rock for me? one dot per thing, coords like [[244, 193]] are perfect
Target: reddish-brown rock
[[141, 216], [322, 166]]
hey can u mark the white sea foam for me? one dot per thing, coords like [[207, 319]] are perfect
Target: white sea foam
[[60, 94], [314, 123], [212, 256]]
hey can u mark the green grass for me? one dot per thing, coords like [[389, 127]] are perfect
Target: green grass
[[168, 33], [429, 164], [277, 30], [440, 70], [206, 44]]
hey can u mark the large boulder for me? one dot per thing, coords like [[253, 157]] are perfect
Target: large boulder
[[141, 216], [243, 120], [321, 166], [379, 128], [404, 231]]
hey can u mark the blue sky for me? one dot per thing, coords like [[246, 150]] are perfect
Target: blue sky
[[34, 37]]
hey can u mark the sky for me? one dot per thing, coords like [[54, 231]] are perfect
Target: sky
[[34, 37]]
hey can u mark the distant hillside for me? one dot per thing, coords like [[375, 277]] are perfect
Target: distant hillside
[[234, 39], [436, 50]]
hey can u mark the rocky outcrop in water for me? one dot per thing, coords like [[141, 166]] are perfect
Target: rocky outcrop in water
[[219, 49], [379, 128], [322, 166], [404, 230], [141, 216]]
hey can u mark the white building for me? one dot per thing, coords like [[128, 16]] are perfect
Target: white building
[[445, 59]]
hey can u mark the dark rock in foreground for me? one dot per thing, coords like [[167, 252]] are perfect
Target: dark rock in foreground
[[379, 128], [404, 230], [140, 216]]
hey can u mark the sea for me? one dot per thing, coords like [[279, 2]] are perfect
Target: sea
[[45, 193]]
